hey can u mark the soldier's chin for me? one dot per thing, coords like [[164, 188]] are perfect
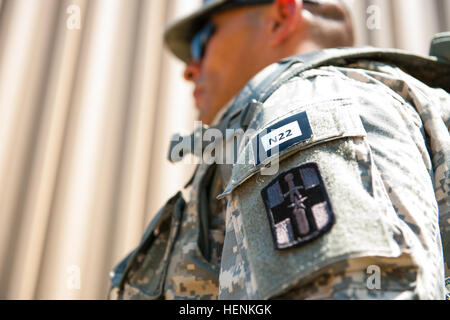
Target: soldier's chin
[[201, 109], [201, 117], [205, 117]]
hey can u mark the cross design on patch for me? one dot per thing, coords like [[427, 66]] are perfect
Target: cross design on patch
[[294, 194], [298, 207]]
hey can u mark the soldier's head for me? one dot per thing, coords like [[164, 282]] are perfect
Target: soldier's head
[[227, 42]]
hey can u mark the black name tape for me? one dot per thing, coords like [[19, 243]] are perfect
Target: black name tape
[[282, 135]]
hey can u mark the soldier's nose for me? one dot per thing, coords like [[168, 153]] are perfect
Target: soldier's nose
[[192, 71]]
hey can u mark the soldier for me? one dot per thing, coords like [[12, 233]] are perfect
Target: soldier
[[358, 206]]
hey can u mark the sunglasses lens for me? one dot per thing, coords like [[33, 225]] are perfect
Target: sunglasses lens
[[200, 40], [196, 50]]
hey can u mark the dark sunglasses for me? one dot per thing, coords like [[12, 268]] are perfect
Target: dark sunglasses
[[202, 37], [200, 41]]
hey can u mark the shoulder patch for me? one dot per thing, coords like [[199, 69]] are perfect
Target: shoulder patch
[[298, 207], [282, 135]]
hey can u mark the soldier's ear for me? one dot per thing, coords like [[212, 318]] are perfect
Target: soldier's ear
[[286, 15]]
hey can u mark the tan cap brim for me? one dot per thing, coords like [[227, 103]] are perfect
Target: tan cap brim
[[178, 35]]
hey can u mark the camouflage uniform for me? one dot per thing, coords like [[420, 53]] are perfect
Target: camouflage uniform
[[380, 138]]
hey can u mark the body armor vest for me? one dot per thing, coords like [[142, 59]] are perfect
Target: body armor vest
[[178, 257]]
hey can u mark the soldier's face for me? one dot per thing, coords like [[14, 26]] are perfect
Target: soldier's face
[[233, 55]]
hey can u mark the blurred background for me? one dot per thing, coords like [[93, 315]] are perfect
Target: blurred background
[[89, 98]]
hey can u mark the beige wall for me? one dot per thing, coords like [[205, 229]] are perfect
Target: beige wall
[[85, 119]]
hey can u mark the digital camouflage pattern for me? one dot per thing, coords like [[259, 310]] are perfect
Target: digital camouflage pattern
[[195, 263], [191, 269], [406, 149], [142, 273], [381, 141]]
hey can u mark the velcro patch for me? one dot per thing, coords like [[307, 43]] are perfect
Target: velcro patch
[[298, 207]]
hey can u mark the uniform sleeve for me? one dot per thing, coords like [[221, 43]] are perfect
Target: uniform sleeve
[[433, 106], [442, 177], [323, 223]]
